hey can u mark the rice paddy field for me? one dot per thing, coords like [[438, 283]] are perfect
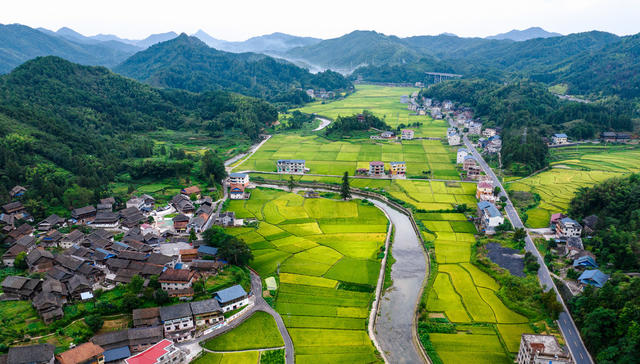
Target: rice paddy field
[[574, 167], [258, 332], [385, 103], [486, 330], [314, 247], [327, 157]]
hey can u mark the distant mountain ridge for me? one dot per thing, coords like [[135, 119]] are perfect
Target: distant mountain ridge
[[525, 34], [269, 43]]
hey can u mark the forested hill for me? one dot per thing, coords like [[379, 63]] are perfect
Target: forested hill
[[70, 124], [188, 63], [19, 43]]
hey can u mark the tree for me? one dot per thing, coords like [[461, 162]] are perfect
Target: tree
[[130, 301], [211, 166], [519, 234], [291, 184], [153, 282], [216, 236], [198, 286], [161, 297], [236, 252], [20, 262], [551, 303], [192, 236], [135, 286], [345, 189], [77, 196], [496, 190], [94, 322]]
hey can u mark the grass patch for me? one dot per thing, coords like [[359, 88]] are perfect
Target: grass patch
[[258, 332]]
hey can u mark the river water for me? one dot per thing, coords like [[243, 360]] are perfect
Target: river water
[[394, 327]]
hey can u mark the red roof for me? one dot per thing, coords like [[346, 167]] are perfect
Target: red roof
[[485, 184], [376, 163], [150, 355]]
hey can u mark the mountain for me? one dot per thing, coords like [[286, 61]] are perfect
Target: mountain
[[270, 44], [155, 38], [19, 43], [358, 48], [526, 34], [188, 63], [109, 37], [63, 124]]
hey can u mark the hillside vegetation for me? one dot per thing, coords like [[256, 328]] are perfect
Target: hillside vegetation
[[189, 64]]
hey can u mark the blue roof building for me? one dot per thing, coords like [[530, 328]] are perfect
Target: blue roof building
[[585, 262], [231, 294], [593, 278], [116, 354], [560, 135], [207, 250]]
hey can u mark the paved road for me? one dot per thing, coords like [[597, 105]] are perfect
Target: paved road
[[395, 326], [254, 148], [323, 123], [259, 305], [565, 322]]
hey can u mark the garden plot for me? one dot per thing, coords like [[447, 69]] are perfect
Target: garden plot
[[314, 247]]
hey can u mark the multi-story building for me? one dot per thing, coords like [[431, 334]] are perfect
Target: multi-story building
[[232, 298], [475, 128], [177, 281], [490, 216], [484, 191], [453, 137], [291, 166], [207, 312], [560, 139], [398, 168], [239, 179], [376, 168], [567, 227], [462, 152], [407, 134], [164, 352], [177, 321], [541, 349]]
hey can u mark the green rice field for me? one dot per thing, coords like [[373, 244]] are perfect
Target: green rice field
[[385, 103], [314, 246], [574, 167], [324, 156], [258, 332]]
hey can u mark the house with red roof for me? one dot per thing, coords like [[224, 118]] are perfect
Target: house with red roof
[[164, 352]]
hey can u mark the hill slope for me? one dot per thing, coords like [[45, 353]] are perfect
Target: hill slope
[[187, 63], [19, 43], [270, 43], [78, 123], [526, 34]]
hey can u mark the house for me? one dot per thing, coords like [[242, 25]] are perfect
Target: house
[[83, 215], [17, 191], [573, 245], [135, 202], [311, 194], [207, 312], [164, 352], [21, 287], [489, 132], [475, 128], [236, 192], [226, 219], [177, 282], [183, 204], [116, 355], [141, 338], [291, 166], [131, 217], [177, 321], [197, 223], [106, 219], [453, 137], [146, 317], [50, 222], [398, 168], [191, 191], [49, 306], [560, 139], [187, 255], [39, 260], [490, 216], [555, 218], [71, 239], [484, 191], [24, 244], [585, 261], [541, 349], [87, 353], [180, 223], [593, 277], [31, 354], [19, 232], [494, 145], [52, 238], [462, 153], [407, 134], [205, 251], [567, 227], [239, 179], [469, 162], [232, 298], [78, 286], [387, 135], [15, 207], [623, 137], [376, 168]]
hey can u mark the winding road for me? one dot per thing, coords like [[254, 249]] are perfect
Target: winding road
[[323, 123], [565, 321]]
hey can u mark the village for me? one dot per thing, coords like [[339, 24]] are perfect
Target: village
[[66, 261]]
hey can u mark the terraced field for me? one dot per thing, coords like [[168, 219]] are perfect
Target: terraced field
[[334, 158], [574, 168], [314, 247], [385, 103], [466, 296]]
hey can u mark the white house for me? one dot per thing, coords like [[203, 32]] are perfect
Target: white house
[[567, 227], [490, 216], [177, 321], [453, 137], [407, 134], [560, 139], [541, 349], [475, 128], [239, 179], [232, 298], [488, 132], [291, 166], [164, 352], [462, 152]]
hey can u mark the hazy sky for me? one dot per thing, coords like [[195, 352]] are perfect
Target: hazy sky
[[241, 19]]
